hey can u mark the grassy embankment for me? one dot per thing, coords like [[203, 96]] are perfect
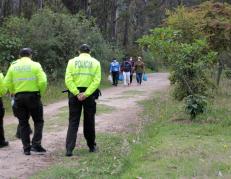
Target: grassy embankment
[[165, 145]]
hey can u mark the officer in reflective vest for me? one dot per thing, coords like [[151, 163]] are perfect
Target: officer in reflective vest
[[3, 90], [82, 78], [27, 81]]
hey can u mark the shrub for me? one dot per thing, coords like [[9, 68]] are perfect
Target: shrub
[[210, 20], [195, 104], [8, 49], [152, 62], [56, 37], [188, 62]]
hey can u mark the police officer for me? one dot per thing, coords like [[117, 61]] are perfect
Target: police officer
[[3, 143], [83, 76], [27, 81]]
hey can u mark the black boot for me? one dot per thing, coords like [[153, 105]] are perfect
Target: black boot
[[69, 153], [93, 149], [37, 148]]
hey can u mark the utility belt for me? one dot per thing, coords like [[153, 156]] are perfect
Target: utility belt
[[37, 93]]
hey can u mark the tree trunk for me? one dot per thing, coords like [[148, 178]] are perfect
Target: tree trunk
[[15, 7], [220, 69], [219, 73], [88, 13], [83, 5], [113, 20], [71, 5], [126, 25], [1, 9], [39, 4], [104, 18]]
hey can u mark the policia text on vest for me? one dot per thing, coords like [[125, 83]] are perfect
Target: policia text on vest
[[26, 80], [82, 78]]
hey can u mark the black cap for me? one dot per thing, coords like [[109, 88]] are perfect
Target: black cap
[[84, 48], [25, 52]]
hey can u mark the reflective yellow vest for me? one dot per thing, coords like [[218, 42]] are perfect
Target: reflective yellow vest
[[25, 75], [3, 88], [83, 71]]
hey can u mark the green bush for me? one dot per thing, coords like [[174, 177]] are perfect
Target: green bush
[[195, 104], [188, 62], [56, 37], [11, 40], [154, 63], [8, 49]]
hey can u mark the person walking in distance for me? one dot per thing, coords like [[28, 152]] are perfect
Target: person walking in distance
[[82, 78], [139, 68], [27, 81], [114, 70], [126, 69], [3, 142]]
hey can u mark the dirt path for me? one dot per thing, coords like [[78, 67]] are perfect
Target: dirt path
[[14, 164]]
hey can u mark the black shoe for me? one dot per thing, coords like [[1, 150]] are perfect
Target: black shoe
[[69, 153], [4, 144], [38, 148], [27, 152], [93, 149]]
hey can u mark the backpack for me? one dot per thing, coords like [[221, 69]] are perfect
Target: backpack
[[127, 66]]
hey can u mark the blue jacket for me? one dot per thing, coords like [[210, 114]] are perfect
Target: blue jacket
[[114, 66]]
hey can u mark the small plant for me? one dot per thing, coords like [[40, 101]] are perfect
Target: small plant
[[195, 104]]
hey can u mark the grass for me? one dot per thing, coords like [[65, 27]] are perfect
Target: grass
[[54, 92], [173, 147], [104, 164], [168, 145]]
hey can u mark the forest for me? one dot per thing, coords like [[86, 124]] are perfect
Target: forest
[[55, 28]]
